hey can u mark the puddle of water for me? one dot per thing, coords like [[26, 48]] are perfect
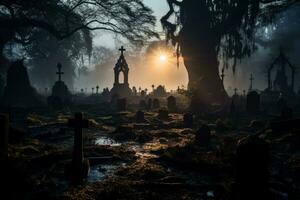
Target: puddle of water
[[105, 141], [100, 172]]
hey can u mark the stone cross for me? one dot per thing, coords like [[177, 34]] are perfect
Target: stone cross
[[97, 89], [78, 123], [251, 82], [4, 128], [59, 73], [122, 50]]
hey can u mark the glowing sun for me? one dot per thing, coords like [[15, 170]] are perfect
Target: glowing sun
[[163, 58]]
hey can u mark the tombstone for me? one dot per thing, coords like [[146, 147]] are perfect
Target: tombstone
[[140, 116], [163, 114], [149, 104], [203, 135], [18, 90], [143, 93], [4, 128], [121, 87], [160, 91], [142, 104], [61, 96], [253, 102], [134, 90], [171, 103], [79, 167], [156, 104], [97, 89], [251, 182], [122, 104], [188, 120]]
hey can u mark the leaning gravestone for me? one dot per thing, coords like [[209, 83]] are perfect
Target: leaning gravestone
[[18, 90], [253, 102], [79, 167], [172, 103], [4, 127]]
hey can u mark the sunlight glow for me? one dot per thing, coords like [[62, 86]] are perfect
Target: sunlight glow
[[163, 58]]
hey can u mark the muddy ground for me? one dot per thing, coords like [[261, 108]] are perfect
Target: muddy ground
[[156, 159]]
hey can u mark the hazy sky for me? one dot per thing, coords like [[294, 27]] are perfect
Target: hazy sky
[[173, 77]]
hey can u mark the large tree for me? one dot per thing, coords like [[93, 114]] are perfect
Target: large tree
[[62, 18], [208, 32]]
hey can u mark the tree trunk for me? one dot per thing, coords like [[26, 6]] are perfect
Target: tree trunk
[[201, 61]]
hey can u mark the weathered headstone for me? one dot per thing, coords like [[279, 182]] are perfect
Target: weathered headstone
[[142, 105], [252, 175], [253, 102], [4, 128], [79, 167], [61, 96], [203, 135], [172, 103], [156, 104], [140, 116], [188, 119], [163, 114], [122, 104], [18, 90]]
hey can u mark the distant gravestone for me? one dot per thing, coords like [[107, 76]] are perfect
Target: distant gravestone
[[18, 90], [203, 135], [253, 102], [122, 104], [61, 96], [156, 104], [142, 104], [163, 114], [79, 168], [140, 116], [4, 128], [188, 119], [252, 176], [172, 103], [149, 104]]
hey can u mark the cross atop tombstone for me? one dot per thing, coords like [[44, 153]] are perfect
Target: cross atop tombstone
[[78, 123], [251, 82], [59, 73], [122, 50], [97, 89], [223, 75]]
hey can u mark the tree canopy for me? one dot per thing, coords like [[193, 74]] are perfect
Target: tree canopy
[[230, 23], [62, 18]]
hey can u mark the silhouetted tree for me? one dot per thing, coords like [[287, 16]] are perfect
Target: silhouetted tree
[[19, 18], [209, 31]]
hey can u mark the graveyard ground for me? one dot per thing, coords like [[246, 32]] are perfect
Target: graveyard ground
[[156, 159]]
